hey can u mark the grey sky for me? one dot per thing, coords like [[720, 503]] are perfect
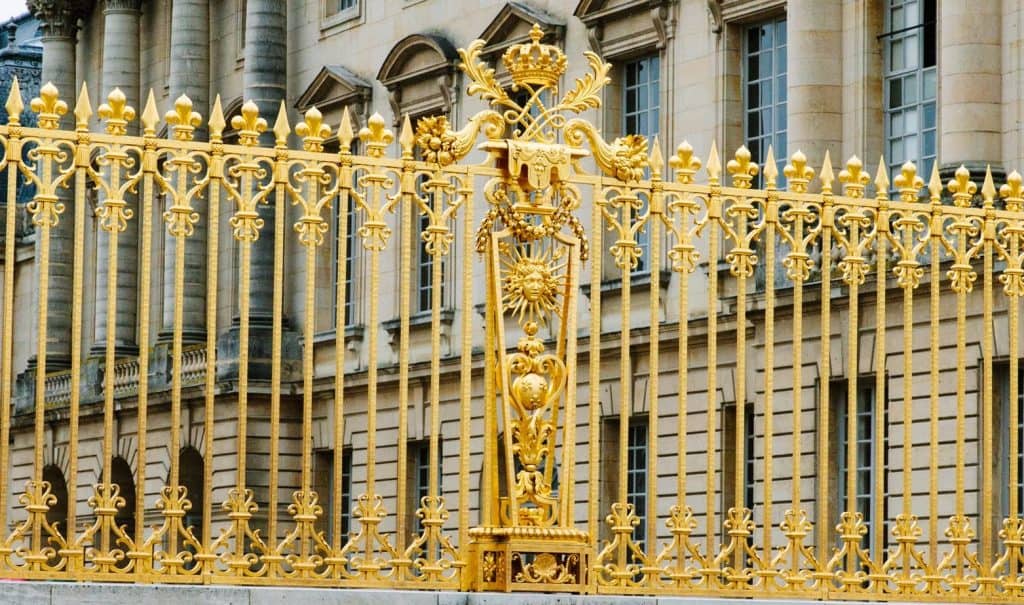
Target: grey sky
[[11, 8]]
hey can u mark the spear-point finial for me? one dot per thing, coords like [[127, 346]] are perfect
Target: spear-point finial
[[216, 122], [771, 170], [882, 180], [281, 127], [988, 189], [827, 176], [714, 164], [150, 116], [14, 105], [935, 185], [685, 163], [345, 133], [962, 187], [83, 109], [406, 139], [655, 159], [854, 178]]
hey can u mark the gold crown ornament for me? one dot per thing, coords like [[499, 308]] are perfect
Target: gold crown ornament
[[534, 63]]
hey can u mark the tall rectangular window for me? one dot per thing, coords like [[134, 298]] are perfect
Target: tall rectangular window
[[1004, 428], [641, 115], [909, 90], [865, 470], [323, 485], [425, 267], [765, 91], [636, 476], [351, 247], [730, 454]]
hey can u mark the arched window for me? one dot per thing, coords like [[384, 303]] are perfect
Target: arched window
[[121, 475], [58, 513], [192, 466]]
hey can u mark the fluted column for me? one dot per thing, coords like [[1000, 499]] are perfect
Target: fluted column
[[120, 70], [265, 81], [970, 101], [190, 76], [59, 25], [815, 74]]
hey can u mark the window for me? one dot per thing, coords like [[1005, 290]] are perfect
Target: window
[[730, 454], [419, 479], [764, 92], [640, 115], [865, 470], [337, 7], [909, 55], [425, 267], [636, 476], [1005, 428], [323, 485], [351, 242]]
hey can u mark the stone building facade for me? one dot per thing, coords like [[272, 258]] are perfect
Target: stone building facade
[[919, 80]]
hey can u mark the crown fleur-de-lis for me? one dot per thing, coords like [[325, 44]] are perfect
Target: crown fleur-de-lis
[[742, 169], [684, 163], [48, 106], [853, 178], [1013, 192], [376, 136], [313, 130], [962, 187], [117, 112], [798, 172], [908, 182], [14, 105], [182, 119], [249, 124]]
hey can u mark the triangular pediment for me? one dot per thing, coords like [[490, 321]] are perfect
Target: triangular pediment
[[334, 86], [512, 26], [590, 11]]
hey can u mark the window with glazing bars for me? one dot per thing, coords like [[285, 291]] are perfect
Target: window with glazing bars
[[636, 476], [425, 267], [865, 470], [909, 55], [334, 7], [641, 115], [1003, 428], [764, 92]]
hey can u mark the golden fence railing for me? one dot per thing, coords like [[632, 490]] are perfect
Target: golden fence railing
[[523, 408]]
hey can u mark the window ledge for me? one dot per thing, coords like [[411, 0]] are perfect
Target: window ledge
[[639, 282], [417, 321], [352, 333], [341, 21]]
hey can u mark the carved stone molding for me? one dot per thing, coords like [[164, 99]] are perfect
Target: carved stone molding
[[425, 64], [626, 28], [58, 18]]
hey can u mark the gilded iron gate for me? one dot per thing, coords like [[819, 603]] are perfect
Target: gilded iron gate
[[536, 232]]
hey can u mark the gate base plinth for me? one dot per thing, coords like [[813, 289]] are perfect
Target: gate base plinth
[[529, 559]]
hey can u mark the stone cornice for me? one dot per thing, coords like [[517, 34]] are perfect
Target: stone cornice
[[120, 6], [59, 18]]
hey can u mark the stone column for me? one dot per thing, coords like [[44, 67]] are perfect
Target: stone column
[[815, 73], [120, 70], [60, 25], [970, 93], [189, 75], [265, 81]]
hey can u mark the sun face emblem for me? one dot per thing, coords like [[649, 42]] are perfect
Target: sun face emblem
[[532, 282]]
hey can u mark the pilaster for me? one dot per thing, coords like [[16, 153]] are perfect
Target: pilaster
[[815, 75]]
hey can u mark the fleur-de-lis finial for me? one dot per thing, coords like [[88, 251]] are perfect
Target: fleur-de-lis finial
[[988, 189], [183, 120], [742, 169], [48, 106], [684, 163], [908, 182], [216, 122], [854, 178], [771, 169], [962, 187], [827, 176], [376, 136], [345, 133], [14, 105], [313, 130], [117, 112], [249, 124], [83, 110], [1013, 192], [798, 172]]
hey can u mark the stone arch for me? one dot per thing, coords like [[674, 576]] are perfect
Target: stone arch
[[58, 513], [192, 465], [419, 74], [121, 474]]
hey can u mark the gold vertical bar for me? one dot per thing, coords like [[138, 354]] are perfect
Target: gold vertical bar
[[625, 378], [176, 344], [714, 215], [466, 369], [244, 270], [853, 339], [77, 284], [374, 327], [212, 252], [683, 374], [961, 383], [408, 214], [490, 483], [275, 363], [1014, 310], [933, 469], [568, 480], [308, 328], [146, 259], [436, 286], [988, 233], [881, 396], [594, 372], [654, 226], [739, 465], [822, 454], [908, 370], [340, 323], [771, 212], [13, 160]]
